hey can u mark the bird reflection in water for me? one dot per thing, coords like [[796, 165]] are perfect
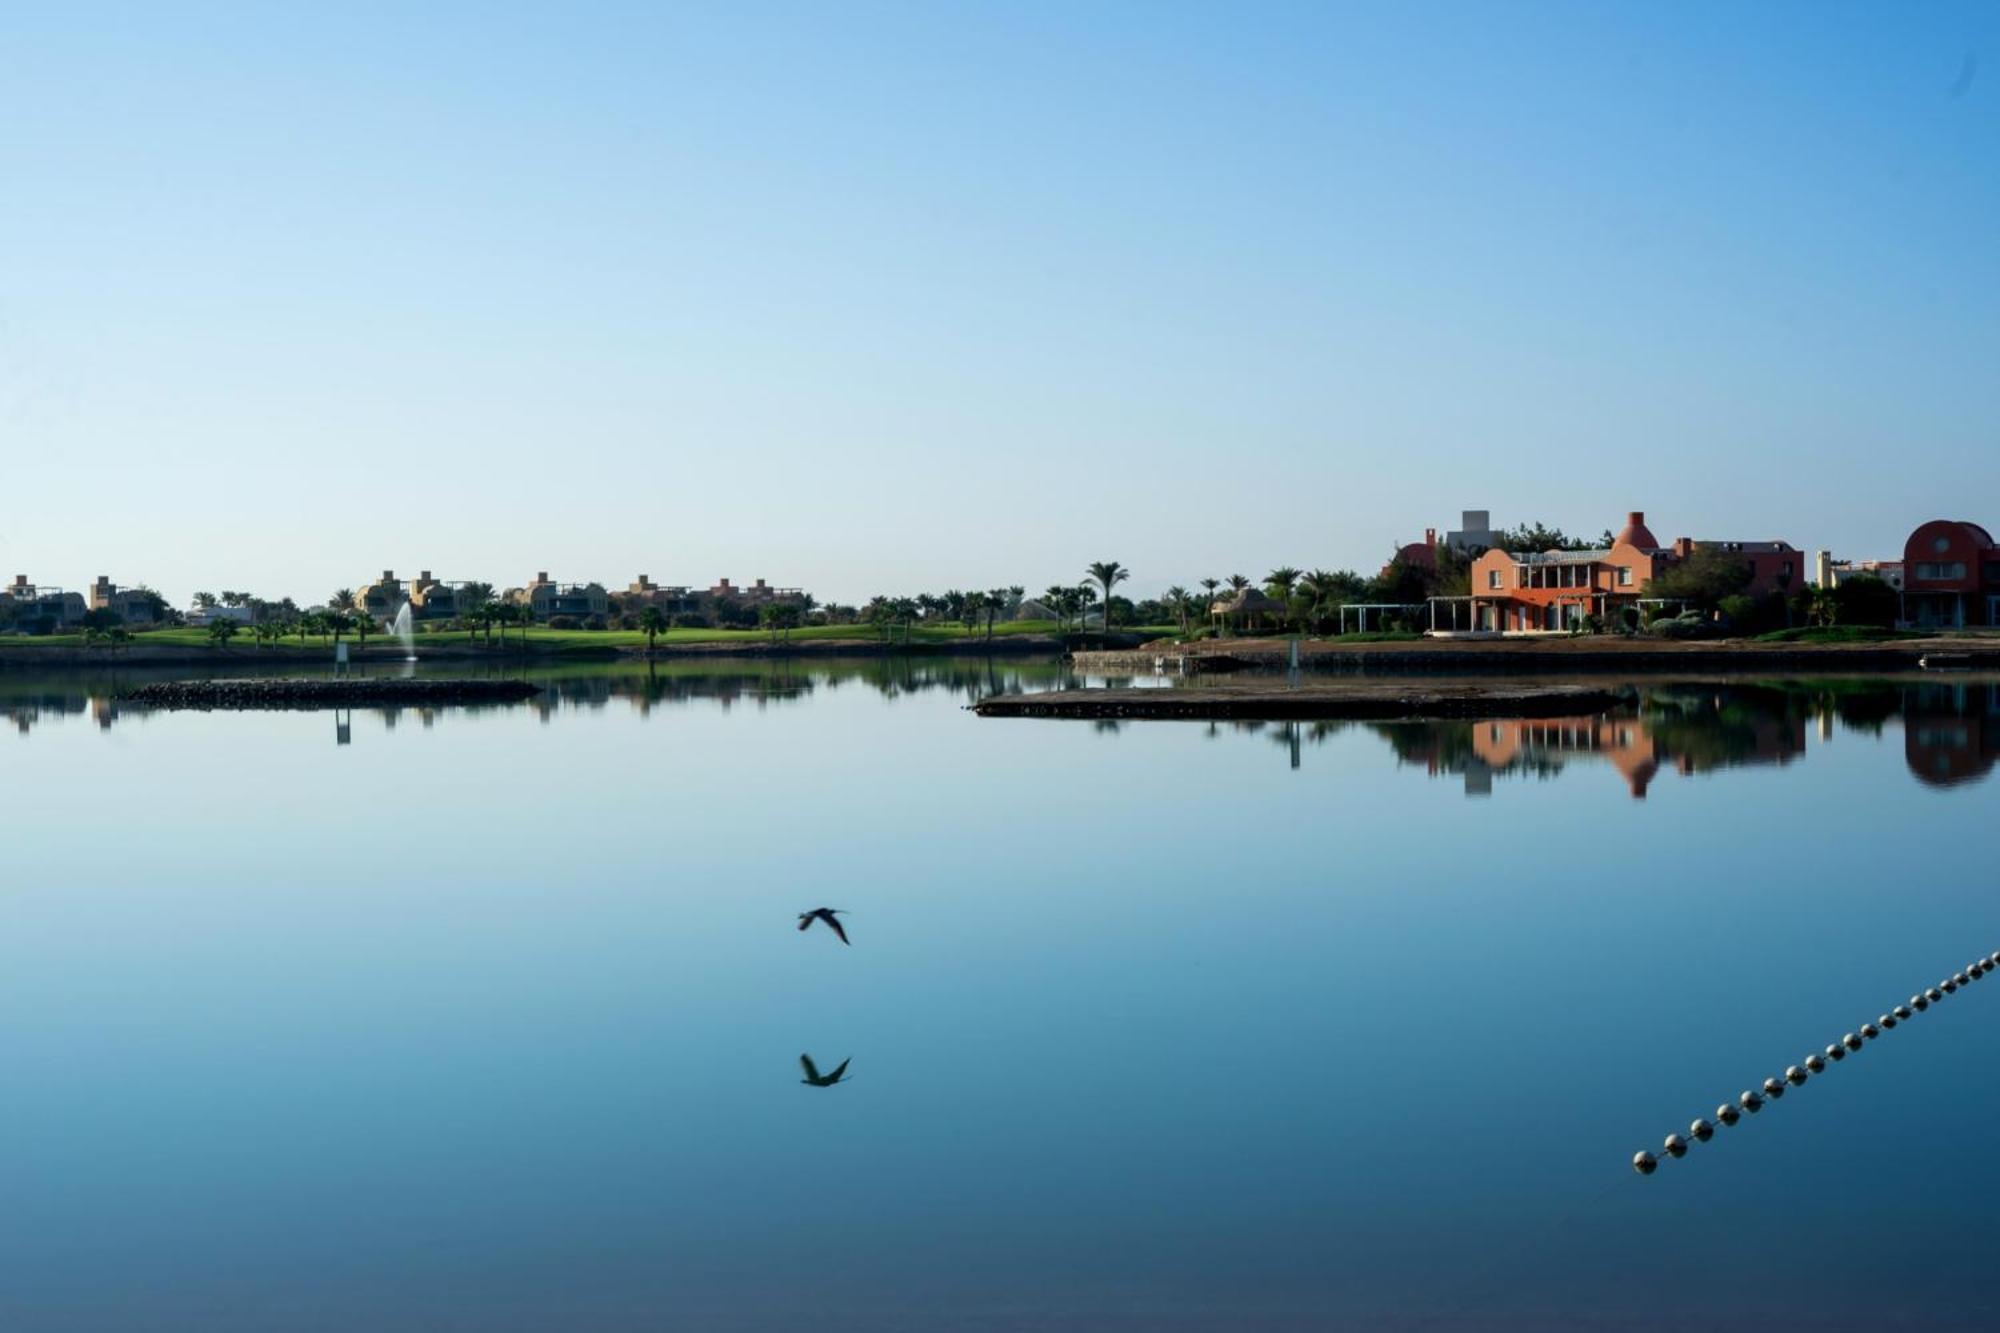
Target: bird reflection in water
[[815, 1079]]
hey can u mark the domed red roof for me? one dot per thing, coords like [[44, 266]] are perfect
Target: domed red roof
[[1636, 533]]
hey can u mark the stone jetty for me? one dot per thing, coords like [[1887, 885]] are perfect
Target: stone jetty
[[1319, 699], [340, 692]]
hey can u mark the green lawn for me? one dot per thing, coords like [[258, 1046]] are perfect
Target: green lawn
[[576, 640]]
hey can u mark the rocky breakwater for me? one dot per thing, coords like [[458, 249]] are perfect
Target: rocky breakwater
[[342, 692], [1349, 699]]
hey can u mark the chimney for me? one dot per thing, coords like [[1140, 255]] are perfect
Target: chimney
[[1635, 518], [424, 576], [1683, 547], [388, 574], [1430, 536], [541, 576]]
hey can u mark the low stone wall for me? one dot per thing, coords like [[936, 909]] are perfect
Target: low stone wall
[[1502, 657], [1350, 699], [351, 692]]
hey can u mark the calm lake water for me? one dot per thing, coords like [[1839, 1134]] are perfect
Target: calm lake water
[[491, 1019]]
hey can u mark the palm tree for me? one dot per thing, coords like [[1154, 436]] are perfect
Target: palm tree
[[342, 599], [1237, 583], [220, 632], [1109, 574], [653, 621], [1279, 583], [1053, 598], [362, 623], [997, 601], [1086, 597], [1320, 586], [1177, 598]]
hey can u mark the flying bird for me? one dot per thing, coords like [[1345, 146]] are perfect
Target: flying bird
[[826, 914], [816, 1079]]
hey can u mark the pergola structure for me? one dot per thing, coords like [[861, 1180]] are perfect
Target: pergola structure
[[1562, 615], [1361, 610]]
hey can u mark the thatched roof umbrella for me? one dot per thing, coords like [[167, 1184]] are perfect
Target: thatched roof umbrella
[[1245, 605]]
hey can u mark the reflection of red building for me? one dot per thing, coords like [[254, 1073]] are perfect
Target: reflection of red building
[[1951, 576], [1623, 742], [1687, 732], [1951, 733]]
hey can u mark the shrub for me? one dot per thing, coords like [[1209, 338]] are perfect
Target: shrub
[[594, 622], [1865, 600], [562, 622], [688, 620]]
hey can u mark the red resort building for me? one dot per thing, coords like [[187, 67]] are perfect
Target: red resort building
[[1951, 576]]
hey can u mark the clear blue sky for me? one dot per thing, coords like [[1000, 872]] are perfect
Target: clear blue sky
[[895, 297]]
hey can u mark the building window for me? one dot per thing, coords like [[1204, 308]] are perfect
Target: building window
[[1938, 571], [1624, 576], [1492, 578], [1940, 544]]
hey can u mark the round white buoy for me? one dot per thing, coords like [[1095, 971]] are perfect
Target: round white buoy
[[1702, 1130], [1795, 1075], [1728, 1114], [1851, 1042], [1675, 1145], [1644, 1163], [1816, 1063], [1750, 1101]]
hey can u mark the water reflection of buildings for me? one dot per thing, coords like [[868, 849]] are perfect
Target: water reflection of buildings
[[1689, 730], [1951, 725], [1951, 732]]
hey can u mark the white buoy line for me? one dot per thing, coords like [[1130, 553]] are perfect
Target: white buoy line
[[1753, 1100]]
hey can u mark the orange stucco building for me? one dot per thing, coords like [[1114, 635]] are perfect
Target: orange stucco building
[[1514, 593], [1543, 591]]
